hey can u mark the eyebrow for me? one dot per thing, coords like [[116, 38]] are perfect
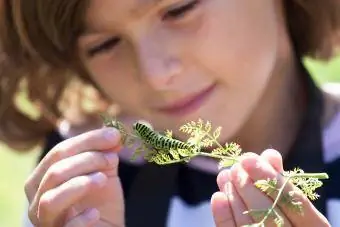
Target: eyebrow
[[139, 6]]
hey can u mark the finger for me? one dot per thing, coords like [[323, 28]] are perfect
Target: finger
[[259, 169], [222, 179], [87, 218], [237, 205], [80, 164], [255, 200], [99, 139], [274, 158], [56, 201], [222, 212]]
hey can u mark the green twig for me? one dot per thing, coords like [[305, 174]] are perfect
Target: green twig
[[227, 155]]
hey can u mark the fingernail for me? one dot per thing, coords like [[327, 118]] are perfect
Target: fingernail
[[92, 214], [250, 164], [111, 157], [222, 178], [99, 178], [242, 177], [221, 206], [111, 134]]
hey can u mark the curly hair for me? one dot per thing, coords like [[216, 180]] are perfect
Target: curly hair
[[38, 51]]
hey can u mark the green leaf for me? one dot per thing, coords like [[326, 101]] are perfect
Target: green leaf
[[217, 132], [174, 154], [207, 127], [224, 163]]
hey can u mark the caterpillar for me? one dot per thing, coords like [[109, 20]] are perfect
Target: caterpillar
[[157, 140]]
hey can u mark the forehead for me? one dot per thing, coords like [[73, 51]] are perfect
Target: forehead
[[117, 9]]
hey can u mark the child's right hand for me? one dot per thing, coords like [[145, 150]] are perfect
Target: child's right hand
[[77, 183]]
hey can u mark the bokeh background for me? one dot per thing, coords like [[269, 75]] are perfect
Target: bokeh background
[[15, 167]]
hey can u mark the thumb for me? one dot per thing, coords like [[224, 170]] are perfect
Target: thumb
[[221, 209]]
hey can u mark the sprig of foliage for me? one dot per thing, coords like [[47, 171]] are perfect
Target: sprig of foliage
[[202, 136], [306, 183]]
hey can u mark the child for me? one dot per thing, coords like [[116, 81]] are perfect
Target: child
[[235, 63]]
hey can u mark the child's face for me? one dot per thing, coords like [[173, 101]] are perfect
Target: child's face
[[154, 57]]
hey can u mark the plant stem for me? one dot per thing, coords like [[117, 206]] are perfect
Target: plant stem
[[213, 139], [215, 156], [175, 161], [200, 154], [310, 175], [276, 200], [132, 135]]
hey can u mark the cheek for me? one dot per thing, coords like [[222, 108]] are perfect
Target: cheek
[[114, 82], [238, 43]]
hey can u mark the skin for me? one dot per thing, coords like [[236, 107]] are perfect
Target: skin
[[159, 56], [240, 45]]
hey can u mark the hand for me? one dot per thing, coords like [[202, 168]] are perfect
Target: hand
[[77, 183], [238, 194]]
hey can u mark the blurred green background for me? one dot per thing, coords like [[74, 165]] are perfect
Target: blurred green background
[[15, 167]]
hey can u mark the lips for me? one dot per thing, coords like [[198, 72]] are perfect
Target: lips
[[189, 103]]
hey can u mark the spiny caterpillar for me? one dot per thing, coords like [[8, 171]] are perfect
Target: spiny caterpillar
[[158, 141], [164, 150]]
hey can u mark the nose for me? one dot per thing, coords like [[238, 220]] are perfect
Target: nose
[[157, 63]]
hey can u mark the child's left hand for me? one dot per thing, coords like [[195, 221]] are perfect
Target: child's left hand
[[238, 194]]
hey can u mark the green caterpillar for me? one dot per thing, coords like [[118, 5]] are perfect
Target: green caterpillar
[[157, 140]]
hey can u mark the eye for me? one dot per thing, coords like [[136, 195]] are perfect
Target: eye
[[181, 11], [104, 46]]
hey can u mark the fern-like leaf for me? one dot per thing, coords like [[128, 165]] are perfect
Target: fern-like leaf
[[217, 133], [193, 127], [168, 133], [226, 162], [202, 135], [185, 152], [162, 157], [291, 202], [307, 185], [261, 214], [264, 215], [206, 142], [113, 122], [175, 154], [232, 149], [218, 151], [278, 220], [207, 127], [268, 186]]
